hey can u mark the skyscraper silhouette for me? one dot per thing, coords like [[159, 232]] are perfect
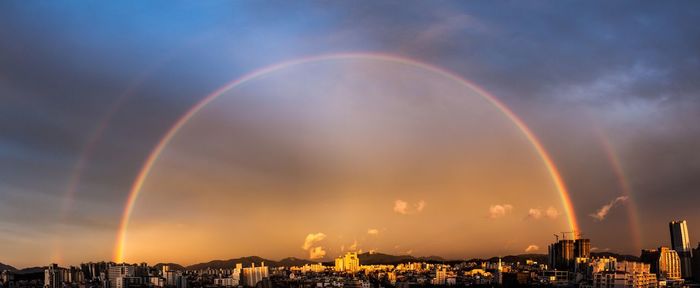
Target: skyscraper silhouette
[[680, 241]]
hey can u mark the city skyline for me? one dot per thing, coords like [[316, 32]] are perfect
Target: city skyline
[[188, 132], [570, 261]]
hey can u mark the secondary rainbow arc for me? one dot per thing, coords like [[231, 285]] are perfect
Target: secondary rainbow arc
[[135, 190]]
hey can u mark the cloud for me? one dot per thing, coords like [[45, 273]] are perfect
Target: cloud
[[353, 246], [420, 206], [603, 211], [537, 213], [409, 252], [311, 239], [534, 213], [499, 210], [373, 232], [532, 248], [317, 253], [403, 207], [552, 213]]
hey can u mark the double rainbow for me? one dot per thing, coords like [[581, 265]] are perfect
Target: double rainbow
[[158, 149]]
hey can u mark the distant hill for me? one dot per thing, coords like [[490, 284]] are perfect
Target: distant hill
[[522, 258], [378, 259], [29, 274], [620, 257], [384, 259], [4, 267], [173, 266], [231, 263], [293, 261], [365, 258], [31, 270]]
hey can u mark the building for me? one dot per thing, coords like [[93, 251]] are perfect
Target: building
[[440, 277], [92, 271], [348, 263], [252, 275], [680, 242], [55, 276], [582, 248], [119, 271], [225, 282], [563, 253], [175, 279], [516, 279], [664, 262], [608, 272], [125, 282], [232, 280], [696, 264], [623, 279]]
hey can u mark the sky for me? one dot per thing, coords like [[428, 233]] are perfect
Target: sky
[[355, 154]]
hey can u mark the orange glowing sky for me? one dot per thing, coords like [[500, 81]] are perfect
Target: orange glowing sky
[[354, 154]]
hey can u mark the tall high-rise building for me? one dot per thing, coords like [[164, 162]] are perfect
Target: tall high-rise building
[[175, 279], [92, 270], [55, 276], [440, 276], [664, 262], [116, 273], [563, 254], [696, 263], [348, 263], [582, 248], [680, 241], [252, 275]]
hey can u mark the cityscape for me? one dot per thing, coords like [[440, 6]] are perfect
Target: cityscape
[[569, 263], [349, 143]]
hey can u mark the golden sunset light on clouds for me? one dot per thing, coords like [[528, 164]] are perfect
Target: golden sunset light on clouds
[[359, 154]]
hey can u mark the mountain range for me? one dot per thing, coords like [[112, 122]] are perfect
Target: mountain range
[[4, 267], [365, 258]]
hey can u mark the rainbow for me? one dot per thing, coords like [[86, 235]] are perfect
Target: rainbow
[[120, 244], [624, 186]]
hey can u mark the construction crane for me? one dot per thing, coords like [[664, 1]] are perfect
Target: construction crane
[[563, 234]]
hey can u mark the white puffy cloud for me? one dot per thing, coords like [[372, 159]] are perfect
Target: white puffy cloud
[[403, 207], [311, 239], [552, 213], [603, 211], [537, 213], [317, 253], [420, 206], [532, 248], [534, 213], [499, 210]]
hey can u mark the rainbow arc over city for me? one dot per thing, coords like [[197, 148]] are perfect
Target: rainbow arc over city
[[120, 246]]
